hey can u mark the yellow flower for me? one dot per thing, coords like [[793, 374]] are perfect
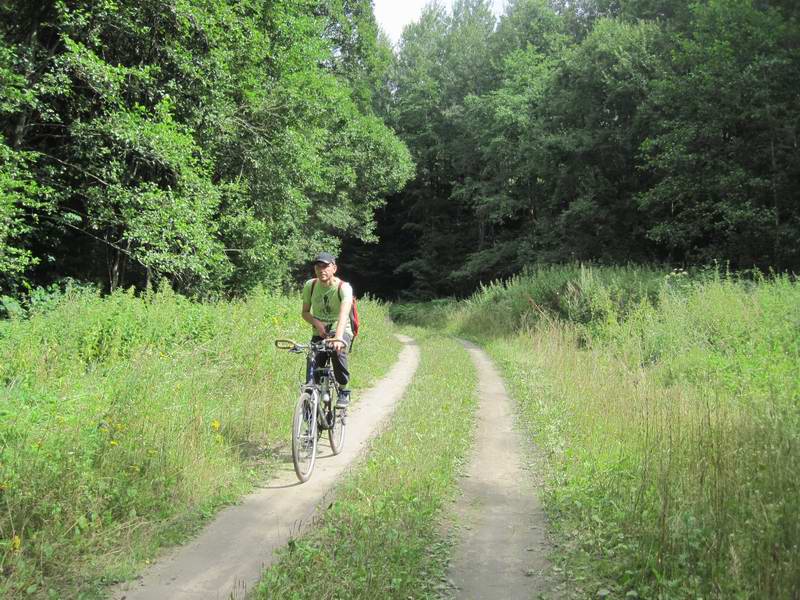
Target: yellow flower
[[114, 443], [16, 543], [215, 425]]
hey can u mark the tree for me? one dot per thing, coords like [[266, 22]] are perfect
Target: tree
[[726, 171], [442, 58], [210, 142]]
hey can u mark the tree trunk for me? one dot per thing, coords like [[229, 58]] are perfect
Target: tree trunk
[[113, 276]]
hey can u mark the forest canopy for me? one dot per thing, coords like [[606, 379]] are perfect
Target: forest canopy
[[219, 143], [213, 143]]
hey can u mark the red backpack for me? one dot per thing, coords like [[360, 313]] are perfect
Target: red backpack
[[354, 321]]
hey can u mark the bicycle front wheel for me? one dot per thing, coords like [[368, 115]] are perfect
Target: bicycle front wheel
[[304, 436], [336, 432]]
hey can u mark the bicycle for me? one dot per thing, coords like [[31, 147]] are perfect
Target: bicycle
[[315, 411]]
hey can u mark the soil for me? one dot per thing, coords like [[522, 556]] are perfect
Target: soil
[[502, 547], [228, 557]]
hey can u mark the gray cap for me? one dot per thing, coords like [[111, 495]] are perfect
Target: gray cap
[[325, 257]]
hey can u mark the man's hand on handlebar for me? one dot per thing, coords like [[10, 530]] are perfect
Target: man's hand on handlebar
[[335, 343]]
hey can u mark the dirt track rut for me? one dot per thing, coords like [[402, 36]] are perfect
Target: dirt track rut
[[503, 547]]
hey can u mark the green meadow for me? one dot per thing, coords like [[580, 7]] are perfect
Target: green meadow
[[126, 421], [663, 406], [666, 408]]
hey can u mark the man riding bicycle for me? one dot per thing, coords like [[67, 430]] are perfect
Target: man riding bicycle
[[326, 307]]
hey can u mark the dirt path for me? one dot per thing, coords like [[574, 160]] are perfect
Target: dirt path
[[229, 555], [502, 550]]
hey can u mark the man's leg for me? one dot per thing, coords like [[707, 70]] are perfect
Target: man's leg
[[320, 358], [342, 373]]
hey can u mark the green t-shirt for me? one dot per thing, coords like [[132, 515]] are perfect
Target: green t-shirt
[[325, 303]]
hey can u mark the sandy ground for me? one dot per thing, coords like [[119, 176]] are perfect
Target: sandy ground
[[228, 557], [502, 545]]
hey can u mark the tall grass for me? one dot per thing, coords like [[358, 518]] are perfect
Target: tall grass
[[124, 420], [669, 410], [575, 293]]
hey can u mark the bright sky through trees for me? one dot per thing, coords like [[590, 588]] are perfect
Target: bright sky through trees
[[393, 15]]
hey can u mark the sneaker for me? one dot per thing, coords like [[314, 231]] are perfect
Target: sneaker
[[343, 399]]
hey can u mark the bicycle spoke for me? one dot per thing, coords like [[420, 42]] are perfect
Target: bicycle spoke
[[336, 432]]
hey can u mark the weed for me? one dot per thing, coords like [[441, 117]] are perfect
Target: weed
[[668, 405]]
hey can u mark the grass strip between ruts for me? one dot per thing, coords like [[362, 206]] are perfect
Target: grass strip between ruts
[[380, 538]]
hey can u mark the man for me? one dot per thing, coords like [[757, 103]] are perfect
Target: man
[[326, 307]]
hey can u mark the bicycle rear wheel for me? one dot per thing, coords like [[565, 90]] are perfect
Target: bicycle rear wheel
[[336, 432], [304, 437]]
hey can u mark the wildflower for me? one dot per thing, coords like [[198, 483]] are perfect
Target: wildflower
[[16, 543], [114, 443], [215, 425]]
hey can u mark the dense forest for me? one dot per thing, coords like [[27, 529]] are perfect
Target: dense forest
[[611, 131], [218, 144], [212, 143]]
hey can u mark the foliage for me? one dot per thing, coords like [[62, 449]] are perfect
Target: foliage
[[18, 193], [218, 156], [576, 293], [724, 170], [125, 420], [636, 130]]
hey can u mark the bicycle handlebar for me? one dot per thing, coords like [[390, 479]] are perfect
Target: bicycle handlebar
[[286, 344]]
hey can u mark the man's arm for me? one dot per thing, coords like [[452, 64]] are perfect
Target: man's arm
[[318, 325], [344, 317]]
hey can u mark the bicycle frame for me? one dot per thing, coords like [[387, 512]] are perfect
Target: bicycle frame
[[321, 380], [321, 391]]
